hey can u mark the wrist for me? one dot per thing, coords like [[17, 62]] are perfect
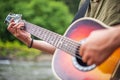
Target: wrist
[[27, 41], [31, 43]]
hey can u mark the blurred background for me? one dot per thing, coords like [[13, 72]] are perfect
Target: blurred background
[[17, 61]]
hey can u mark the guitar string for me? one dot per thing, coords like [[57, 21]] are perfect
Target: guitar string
[[50, 32], [113, 58], [73, 43], [74, 49]]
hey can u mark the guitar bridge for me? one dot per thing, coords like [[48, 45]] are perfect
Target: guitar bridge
[[116, 73]]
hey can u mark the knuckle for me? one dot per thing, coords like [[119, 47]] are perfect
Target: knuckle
[[83, 46], [84, 59], [18, 27], [17, 35], [98, 61], [89, 63]]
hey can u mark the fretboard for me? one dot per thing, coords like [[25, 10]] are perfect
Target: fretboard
[[60, 42]]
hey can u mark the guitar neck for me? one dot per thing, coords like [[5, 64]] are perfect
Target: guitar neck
[[52, 38]]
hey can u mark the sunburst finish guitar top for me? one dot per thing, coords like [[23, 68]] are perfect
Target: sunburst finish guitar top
[[63, 63]]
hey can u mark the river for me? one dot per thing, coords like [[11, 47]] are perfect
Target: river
[[26, 70]]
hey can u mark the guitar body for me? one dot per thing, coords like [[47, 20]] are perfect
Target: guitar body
[[62, 63]]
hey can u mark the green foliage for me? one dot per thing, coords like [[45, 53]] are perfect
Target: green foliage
[[72, 4], [51, 14], [16, 50]]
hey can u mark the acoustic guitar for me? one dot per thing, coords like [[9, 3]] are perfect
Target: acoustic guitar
[[67, 63]]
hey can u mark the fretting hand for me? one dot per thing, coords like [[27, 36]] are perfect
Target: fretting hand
[[19, 33]]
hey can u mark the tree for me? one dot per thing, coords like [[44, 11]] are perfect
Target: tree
[[51, 14], [72, 4]]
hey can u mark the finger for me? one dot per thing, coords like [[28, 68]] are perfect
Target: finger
[[20, 26], [15, 26], [97, 62], [90, 62], [16, 30], [22, 23], [11, 25], [85, 57], [82, 49], [12, 20], [13, 29]]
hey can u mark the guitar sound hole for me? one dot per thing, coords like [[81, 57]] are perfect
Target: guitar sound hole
[[80, 65], [80, 62]]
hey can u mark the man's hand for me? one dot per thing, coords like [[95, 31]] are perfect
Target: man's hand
[[19, 33], [100, 45]]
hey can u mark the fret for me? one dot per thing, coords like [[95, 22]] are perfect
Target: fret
[[60, 43], [39, 32], [56, 40], [41, 36], [44, 35], [65, 44], [47, 36], [50, 39], [32, 30], [53, 39], [76, 47], [70, 48], [36, 31]]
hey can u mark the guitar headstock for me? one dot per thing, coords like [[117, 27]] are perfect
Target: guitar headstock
[[16, 17]]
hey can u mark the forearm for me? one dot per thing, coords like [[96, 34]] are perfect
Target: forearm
[[116, 36], [41, 45]]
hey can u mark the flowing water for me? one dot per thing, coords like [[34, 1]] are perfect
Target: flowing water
[[22, 70]]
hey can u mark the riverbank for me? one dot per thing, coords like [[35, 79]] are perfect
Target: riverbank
[[28, 70], [24, 70]]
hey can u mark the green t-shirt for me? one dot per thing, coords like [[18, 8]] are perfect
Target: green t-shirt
[[107, 11]]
